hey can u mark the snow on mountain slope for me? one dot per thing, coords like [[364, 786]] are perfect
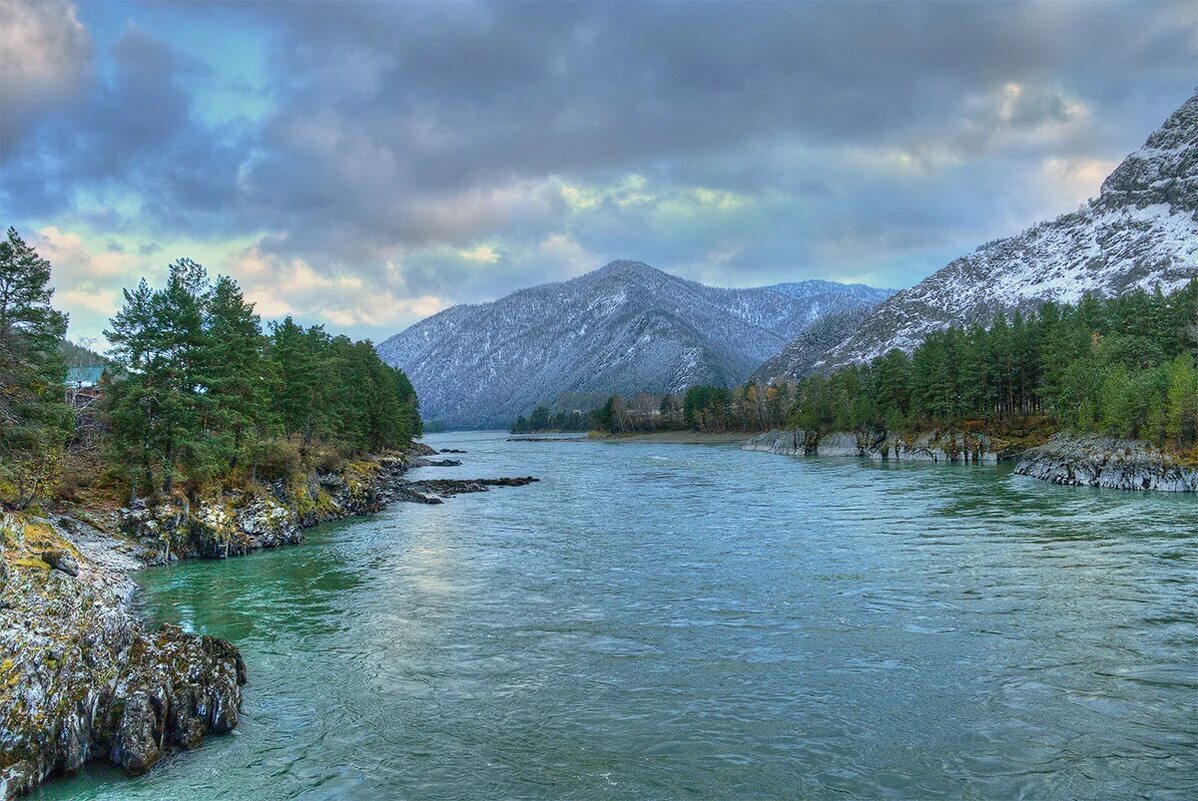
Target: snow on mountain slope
[[1140, 232], [624, 328], [810, 347]]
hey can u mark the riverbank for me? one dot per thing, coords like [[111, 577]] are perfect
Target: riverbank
[[926, 446], [1060, 458], [83, 679], [431, 650]]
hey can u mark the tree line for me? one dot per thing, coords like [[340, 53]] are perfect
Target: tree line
[[1125, 366], [751, 407], [541, 419], [197, 391], [1122, 366]]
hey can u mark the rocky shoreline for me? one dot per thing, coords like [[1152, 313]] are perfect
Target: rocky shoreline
[[928, 446], [1095, 461], [1072, 459], [82, 677]]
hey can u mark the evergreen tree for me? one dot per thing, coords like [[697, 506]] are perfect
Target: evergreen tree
[[294, 355], [1181, 417], [34, 419], [159, 337], [236, 373]]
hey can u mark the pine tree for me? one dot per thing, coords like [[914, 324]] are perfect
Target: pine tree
[[1181, 416], [294, 355], [1117, 402], [159, 337], [34, 419], [236, 372]]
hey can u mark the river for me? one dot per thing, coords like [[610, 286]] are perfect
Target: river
[[660, 621]]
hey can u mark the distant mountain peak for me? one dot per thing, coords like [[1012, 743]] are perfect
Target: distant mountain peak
[[1164, 170], [627, 267], [624, 328]]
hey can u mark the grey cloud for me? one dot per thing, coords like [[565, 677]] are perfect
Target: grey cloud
[[442, 98], [44, 56], [134, 133]]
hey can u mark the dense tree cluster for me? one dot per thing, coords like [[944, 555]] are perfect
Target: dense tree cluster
[[1123, 366], [199, 393], [204, 389], [752, 407]]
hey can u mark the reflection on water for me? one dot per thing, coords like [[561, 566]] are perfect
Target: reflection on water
[[657, 621]]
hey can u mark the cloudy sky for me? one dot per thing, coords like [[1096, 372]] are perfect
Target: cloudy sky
[[368, 164]]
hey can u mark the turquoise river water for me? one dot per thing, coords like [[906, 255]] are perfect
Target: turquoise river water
[[693, 621]]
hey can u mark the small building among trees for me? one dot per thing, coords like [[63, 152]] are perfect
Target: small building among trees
[[83, 385]]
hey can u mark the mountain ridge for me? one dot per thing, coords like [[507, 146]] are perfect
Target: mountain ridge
[[1141, 231], [623, 328]]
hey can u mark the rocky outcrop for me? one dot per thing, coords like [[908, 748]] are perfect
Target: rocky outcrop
[[791, 442], [81, 677], [1075, 459], [236, 522], [1095, 461], [937, 446], [929, 446]]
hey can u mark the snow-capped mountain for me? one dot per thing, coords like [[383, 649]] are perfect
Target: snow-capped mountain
[[1141, 231], [624, 328]]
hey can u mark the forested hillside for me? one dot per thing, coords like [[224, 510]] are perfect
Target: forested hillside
[[1122, 366], [199, 395], [1140, 232]]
